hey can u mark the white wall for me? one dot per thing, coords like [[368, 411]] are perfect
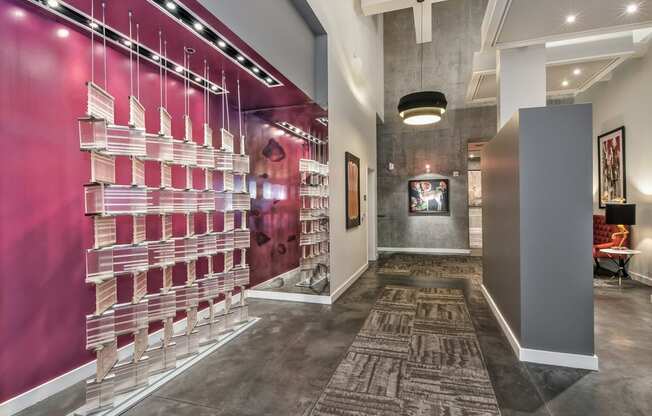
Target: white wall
[[354, 98], [626, 99], [276, 30]]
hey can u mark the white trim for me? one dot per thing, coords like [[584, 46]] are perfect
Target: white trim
[[288, 297], [335, 294], [646, 280], [81, 373], [424, 250], [587, 362]]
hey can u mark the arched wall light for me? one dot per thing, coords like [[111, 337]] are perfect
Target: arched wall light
[[423, 107]]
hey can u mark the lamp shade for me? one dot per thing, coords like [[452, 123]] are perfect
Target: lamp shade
[[621, 214], [421, 108]]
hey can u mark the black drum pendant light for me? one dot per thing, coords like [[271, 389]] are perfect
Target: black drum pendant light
[[423, 107]]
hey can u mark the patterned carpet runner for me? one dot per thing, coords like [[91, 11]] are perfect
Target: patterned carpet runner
[[417, 354]]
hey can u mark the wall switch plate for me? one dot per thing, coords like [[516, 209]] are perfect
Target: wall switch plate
[[456, 173], [391, 166]]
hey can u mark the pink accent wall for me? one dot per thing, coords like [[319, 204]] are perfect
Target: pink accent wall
[[43, 231]]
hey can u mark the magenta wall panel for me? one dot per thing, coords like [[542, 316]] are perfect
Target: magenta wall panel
[[43, 231]]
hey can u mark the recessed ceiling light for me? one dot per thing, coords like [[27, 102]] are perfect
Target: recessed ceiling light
[[198, 79], [53, 3], [269, 80], [221, 44], [214, 87], [240, 58], [93, 25], [127, 42], [198, 26], [577, 71], [564, 83], [155, 57], [63, 33], [571, 18], [255, 69], [179, 68], [170, 5], [632, 8]]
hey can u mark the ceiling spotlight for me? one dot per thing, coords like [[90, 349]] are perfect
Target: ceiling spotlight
[[155, 57], [214, 87], [198, 26], [179, 68], [269, 80], [632, 8], [240, 58], [571, 18], [127, 42], [577, 71], [198, 78], [564, 83], [255, 69], [53, 3], [63, 33], [170, 5], [93, 25], [221, 44]]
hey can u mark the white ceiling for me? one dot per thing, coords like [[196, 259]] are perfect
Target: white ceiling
[[511, 23]]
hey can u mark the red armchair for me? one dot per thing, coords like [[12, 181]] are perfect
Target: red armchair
[[605, 236]]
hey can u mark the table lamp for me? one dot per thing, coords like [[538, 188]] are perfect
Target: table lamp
[[621, 215]]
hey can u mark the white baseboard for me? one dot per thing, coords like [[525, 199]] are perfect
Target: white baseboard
[[288, 297], [424, 250], [76, 375], [587, 362], [283, 276], [336, 293], [646, 280]]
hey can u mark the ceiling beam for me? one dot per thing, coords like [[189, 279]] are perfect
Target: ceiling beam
[[423, 32], [372, 7], [423, 22]]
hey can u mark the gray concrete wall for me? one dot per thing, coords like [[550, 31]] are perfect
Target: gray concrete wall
[[456, 34], [556, 228], [500, 222], [538, 227]]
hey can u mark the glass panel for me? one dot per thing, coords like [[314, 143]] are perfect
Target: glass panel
[[92, 134], [184, 153], [206, 201], [166, 227], [223, 160], [228, 181], [187, 128], [136, 113], [241, 202], [205, 158], [229, 221], [208, 136], [191, 272], [185, 249], [223, 201], [159, 201], [99, 329], [241, 276], [160, 306], [130, 317], [208, 289], [161, 253], [103, 199], [206, 245], [167, 278], [125, 141], [104, 231], [166, 175], [105, 295], [241, 163], [190, 225], [241, 239], [131, 375], [141, 342], [184, 201], [137, 172], [165, 123], [99, 103], [186, 297], [138, 229], [225, 242], [140, 286], [227, 141], [102, 168], [100, 394], [158, 148]]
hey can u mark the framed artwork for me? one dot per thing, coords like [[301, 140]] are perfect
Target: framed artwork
[[475, 188], [429, 197], [352, 186], [612, 184]]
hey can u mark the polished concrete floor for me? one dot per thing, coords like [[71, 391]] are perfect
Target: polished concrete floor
[[280, 366]]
